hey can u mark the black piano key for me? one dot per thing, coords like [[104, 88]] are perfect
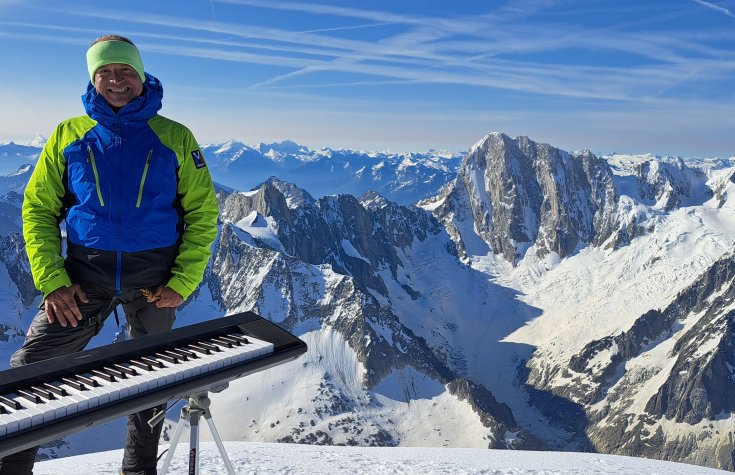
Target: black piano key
[[42, 393], [155, 362], [3, 410], [166, 357], [234, 341], [209, 346], [11, 402], [30, 395], [144, 365], [187, 352], [88, 381], [78, 385], [104, 375], [221, 342], [178, 354], [242, 338], [55, 389], [199, 349], [115, 372], [126, 369]]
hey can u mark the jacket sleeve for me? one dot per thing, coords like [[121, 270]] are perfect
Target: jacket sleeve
[[199, 203], [42, 205]]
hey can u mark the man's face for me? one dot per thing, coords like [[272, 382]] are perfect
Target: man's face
[[118, 84]]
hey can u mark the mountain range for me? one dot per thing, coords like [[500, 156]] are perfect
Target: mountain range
[[514, 296]]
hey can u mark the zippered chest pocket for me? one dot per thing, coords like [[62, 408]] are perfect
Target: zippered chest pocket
[[156, 185], [143, 179], [84, 179]]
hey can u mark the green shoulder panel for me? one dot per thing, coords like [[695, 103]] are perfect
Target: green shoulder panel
[[42, 205], [198, 200]]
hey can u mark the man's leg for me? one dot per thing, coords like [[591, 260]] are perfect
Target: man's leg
[[46, 340], [141, 443]]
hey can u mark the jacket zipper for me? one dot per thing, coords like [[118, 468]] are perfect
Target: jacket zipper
[[142, 180], [96, 176], [118, 270]]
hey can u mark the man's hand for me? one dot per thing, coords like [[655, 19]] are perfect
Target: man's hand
[[60, 305], [166, 297]]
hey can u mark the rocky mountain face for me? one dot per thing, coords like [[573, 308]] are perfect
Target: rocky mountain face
[[318, 264], [666, 183], [519, 194], [335, 230], [694, 387]]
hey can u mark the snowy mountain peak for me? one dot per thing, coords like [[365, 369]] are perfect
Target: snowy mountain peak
[[286, 147], [495, 137], [38, 141], [230, 147], [295, 196], [516, 194]]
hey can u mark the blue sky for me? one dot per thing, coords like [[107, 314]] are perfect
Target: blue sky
[[624, 76]]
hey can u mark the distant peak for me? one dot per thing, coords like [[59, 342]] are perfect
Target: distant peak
[[286, 147], [231, 145], [39, 141]]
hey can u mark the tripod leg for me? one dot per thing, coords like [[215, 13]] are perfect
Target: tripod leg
[[194, 443], [174, 441], [218, 441]]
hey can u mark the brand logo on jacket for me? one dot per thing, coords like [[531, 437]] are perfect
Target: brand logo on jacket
[[198, 159]]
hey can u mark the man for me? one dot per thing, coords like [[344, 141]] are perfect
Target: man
[[140, 213]]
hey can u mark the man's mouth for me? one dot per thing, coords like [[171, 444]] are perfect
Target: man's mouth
[[119, 90]]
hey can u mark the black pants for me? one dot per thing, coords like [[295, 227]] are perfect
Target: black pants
[[44, 341]]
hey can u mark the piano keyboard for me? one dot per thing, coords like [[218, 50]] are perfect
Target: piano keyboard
[[46, 400]]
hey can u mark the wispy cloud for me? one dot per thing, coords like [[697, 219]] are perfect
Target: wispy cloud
[[714, 7], [479, 51]]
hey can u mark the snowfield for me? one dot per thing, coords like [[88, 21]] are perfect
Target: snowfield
[[265, 458]]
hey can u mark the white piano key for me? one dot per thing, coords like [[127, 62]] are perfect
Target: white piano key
[[28, 416], [129, 387], [101, 393], [189, 368], [9, 423], [78, 400], [108, 389], [167, 375], [49, 410]]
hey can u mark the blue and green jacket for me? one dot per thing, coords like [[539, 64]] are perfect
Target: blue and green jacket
[[135, 194]]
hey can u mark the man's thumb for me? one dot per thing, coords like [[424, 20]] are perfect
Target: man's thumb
[[80, 293]]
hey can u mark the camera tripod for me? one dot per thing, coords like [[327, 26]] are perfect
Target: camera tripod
[[197, 407]]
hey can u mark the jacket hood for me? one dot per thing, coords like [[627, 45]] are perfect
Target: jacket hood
[[141, 108]]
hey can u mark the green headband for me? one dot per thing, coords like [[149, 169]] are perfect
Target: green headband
[[111, 52]]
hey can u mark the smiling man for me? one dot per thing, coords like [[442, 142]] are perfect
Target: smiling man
[[140, 213]]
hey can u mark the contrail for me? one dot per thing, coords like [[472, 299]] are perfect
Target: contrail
[[716, 8]]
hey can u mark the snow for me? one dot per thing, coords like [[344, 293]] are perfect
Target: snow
[[262, 228], [269, 458], [351, 251]]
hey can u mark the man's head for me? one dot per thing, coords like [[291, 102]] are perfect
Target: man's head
[[115, 69]]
